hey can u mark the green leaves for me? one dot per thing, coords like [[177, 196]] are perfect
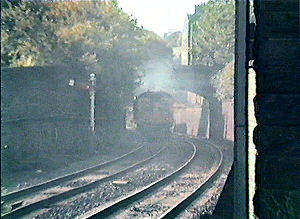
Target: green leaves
[[26, 42], [213, 42], [96, 35], [213, 33]]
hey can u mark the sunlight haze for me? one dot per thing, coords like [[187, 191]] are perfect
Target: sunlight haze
[[160, 16]]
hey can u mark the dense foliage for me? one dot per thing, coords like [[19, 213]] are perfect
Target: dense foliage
[[213, 41], [95, 34], [224, 82], [213, 33], [81, 37]]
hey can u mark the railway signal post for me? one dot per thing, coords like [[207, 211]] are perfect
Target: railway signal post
[[92, 97], [91, 88]]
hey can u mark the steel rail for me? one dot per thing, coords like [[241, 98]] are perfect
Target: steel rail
[[58, 180], [125, 201], [70, 193], [182, 205]]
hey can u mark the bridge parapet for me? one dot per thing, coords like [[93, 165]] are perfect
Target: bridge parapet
[[196, 79]]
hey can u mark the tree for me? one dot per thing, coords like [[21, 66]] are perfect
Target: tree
[[213, 33], [96, 35], [224, 82], [213, 42], [25, 37]]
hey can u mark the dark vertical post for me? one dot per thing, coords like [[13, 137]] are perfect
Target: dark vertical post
[[216, 119], [240, 112], [204, 121]]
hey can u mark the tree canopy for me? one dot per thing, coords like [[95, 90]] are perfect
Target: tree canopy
[[96, 35], [213, 33], [213, 42]]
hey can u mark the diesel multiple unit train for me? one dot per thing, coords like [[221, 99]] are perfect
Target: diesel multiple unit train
[[153, 114]]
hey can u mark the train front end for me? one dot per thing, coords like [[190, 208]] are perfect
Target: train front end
[[153, 115]]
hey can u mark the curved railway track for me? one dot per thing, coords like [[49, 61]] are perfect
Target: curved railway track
[[58, 180], [16, 199], [178, 208], [110, 207], [109, 211]]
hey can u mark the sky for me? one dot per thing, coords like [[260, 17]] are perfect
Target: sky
[[160, 16]]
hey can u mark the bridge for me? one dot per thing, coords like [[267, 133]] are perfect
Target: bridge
[[34, 93], [197, 79], [192, 78]]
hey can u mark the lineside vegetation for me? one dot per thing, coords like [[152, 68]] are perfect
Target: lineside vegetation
[[95, 34], [213, 42]]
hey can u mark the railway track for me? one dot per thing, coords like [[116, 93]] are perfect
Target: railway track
[[174, 156], [29, 199], [180, 206], [122, 208], [108, 207]]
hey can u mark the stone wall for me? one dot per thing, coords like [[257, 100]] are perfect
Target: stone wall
[[277, 109], [43, 117]]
